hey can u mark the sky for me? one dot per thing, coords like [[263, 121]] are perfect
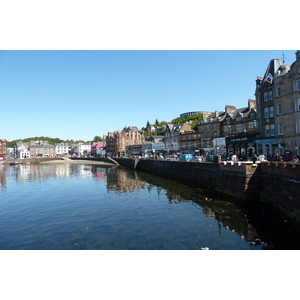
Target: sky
[[78, 94], [74, 71]]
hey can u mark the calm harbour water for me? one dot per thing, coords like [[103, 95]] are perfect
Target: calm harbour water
[[82, 206]]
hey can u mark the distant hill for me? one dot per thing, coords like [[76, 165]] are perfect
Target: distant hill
[[51, 141]]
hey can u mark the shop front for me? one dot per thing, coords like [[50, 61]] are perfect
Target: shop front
[[268, 147], [241, 146]]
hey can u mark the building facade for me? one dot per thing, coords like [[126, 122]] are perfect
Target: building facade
[[278, 109], [40, 149], [62, 149], [117, 141], [95, 146], [2, 149], [82, 149], [172, 136], [239, 127]]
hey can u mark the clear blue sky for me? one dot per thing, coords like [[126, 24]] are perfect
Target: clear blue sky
[[80, 94]]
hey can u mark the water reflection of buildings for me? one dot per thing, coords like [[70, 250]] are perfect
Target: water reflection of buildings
[[43, 171], [120, 181], [2, 177]]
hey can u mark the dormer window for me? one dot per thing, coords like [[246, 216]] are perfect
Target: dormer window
[[227, 119], [238, 119]]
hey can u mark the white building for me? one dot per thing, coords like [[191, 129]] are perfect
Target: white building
[[82, 149], [10, 152], [100, 152], [24, 154], [62, 149]]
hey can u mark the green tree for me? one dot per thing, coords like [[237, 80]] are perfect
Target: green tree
[[97, 138]]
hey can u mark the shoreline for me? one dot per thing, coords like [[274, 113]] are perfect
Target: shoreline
[[79, 161]]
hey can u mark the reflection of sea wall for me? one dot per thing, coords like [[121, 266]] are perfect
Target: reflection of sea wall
[[228, 215]]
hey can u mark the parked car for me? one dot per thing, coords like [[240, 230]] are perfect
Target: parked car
[[197, 159], [284, 157], [185, 157]]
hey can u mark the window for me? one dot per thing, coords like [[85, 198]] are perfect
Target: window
[[252, 124], [271, 111], [239, 127], [297, 86], [279, 109], [278, 91], [270, 95], [228, 119], [227, 128], [272, 129], [238, 119], [297, 104], [267, 130], [280, 128], [297, 123], [266, 112]]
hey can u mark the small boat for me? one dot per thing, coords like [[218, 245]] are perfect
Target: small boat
[[14, 163]]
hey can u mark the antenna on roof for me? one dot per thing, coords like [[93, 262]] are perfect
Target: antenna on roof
[[283, 57]]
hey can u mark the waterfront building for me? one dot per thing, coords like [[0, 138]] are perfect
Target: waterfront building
[[21, 150], [230, 132], [82, 149], [153, 144], [24, 154], [95, 146], [210, 129], [2, 149], [40, 149], [62, 149], [172, 136], [190, 142], [239, 127], [10, 153], [278, 108], [117, 141]]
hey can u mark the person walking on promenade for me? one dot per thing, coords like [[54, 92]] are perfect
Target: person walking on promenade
[[295, 159], [278, 157]]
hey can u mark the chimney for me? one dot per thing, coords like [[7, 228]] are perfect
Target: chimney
[[216, 113], [297, 54], [229, 108], [251, 104]]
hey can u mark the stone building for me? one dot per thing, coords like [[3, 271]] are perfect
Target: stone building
[[230, 132], [117, 141], [239, 126], [190, 142], [210, 129], [278, 108], [172, 136]]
